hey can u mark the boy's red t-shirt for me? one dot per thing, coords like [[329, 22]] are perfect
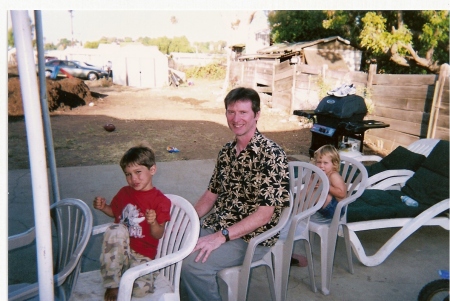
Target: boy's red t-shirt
[[136, 204]]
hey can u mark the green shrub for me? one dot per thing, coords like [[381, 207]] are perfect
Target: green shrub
[[210, 71]]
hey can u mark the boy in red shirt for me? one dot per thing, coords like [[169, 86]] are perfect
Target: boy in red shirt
[[140, 212]]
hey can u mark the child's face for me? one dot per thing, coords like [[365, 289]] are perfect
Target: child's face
[[325, 164], [139, 177]]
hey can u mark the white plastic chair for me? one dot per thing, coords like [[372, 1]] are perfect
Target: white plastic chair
[[295, 220], [180, 238], [237, 277], [355, 176], [307, 201], [72, 227]]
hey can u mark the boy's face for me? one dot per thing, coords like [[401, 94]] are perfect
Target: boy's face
[[139, 177]]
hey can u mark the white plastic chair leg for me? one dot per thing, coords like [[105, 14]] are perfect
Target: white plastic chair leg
[[231, 279], [325, 286], [270, 274], [309, 257], [348, 247]]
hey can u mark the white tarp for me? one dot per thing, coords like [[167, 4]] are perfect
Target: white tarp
[[140, 66]]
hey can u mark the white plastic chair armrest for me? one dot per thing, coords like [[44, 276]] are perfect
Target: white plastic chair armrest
[[100, 228], [369, 158], [22, 239], [388, 174], [389, 183], [255, 241], [128, 278]]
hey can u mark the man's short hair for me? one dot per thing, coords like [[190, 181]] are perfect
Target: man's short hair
[[139, 155], [243, 93]]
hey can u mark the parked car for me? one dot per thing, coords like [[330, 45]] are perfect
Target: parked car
[[50, 58], [74, 68], [84, 64]]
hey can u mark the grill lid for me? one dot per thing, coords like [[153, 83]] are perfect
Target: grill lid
[[342, 107]]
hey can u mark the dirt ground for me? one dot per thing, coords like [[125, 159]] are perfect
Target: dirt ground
[[190, 118]]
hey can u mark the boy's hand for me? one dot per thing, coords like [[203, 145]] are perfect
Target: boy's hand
[[150, 216], [99, 203]]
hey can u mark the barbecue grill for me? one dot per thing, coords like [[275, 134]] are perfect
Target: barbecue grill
[[336, 119]]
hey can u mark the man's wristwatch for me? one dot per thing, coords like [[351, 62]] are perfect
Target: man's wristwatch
[[226, 234]]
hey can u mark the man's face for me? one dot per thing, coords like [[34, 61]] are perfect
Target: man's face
[[241, 119]]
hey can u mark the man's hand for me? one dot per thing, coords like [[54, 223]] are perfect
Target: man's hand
[[207, 244]]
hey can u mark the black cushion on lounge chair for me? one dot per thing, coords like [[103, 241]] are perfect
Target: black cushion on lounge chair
[[400, 158], [430, 183], [428, 186], [380, 204]]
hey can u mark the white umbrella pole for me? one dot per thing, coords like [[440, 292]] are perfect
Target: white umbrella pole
[[44, 105], [36, 152]]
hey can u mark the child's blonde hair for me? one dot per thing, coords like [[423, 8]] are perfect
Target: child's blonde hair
[[329, 150]]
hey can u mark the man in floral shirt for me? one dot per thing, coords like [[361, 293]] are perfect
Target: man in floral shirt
[[246, 194]]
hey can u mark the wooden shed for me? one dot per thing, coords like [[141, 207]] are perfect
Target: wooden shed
[[270, 70]]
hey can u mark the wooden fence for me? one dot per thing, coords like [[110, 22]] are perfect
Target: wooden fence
[[415, 106]]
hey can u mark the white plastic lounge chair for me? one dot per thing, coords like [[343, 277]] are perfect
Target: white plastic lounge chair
[[180, 238], [355, 175], [237, 278], [72, 227], [425, 216]]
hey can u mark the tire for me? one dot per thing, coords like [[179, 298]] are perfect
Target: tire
[[92, 76], [435, 290]]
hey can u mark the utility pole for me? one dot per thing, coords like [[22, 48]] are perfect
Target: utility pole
[[71, 24]]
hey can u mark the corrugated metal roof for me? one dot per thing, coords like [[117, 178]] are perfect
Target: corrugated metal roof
[[287, 50], [296, 47]]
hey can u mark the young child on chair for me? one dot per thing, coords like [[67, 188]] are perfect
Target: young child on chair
[[140, 212], [327, 159]]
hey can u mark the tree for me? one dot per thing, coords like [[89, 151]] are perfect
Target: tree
[[163, 43], [10, 37], [180, 44], [166, 45], [399, 41], [49, 46], [298, 25], [91, 45], [64, 43]]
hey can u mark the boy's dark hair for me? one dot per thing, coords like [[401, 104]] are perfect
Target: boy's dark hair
[[140, 155], [242, 93]]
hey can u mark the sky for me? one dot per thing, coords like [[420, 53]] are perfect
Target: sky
[[198, 20], [92, 25]]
